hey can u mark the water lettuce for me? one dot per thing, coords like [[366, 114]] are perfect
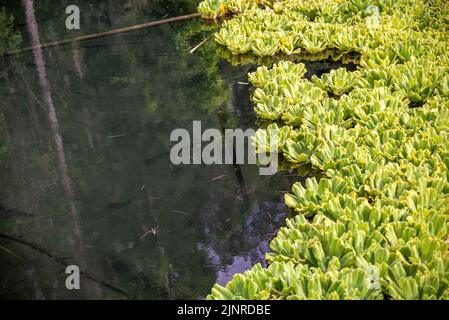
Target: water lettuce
[[373, 224]]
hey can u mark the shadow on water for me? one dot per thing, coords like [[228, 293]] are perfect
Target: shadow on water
[[84, 159]]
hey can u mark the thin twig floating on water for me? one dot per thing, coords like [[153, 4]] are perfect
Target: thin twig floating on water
[[199, 45], [116, 136], [154, 231], [217, 178], [62, 261], [10, 252], [105, 34], [177, 211]]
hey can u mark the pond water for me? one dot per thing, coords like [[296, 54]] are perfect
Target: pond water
[[85, 171]]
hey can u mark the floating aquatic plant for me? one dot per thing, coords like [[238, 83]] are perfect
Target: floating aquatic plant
[[337, 81], [213, 9], [374, 223]]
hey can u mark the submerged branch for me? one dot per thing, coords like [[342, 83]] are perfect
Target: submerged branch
[[62, 261], [105, 34]]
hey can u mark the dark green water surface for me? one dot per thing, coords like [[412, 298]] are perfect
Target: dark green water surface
[[93, 183]]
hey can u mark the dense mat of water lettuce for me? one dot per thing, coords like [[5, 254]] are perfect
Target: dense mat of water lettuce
[[375, 225]]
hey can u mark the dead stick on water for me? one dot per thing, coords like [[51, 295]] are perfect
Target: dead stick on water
[[105, 34], [199, 45], [62, 261]]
